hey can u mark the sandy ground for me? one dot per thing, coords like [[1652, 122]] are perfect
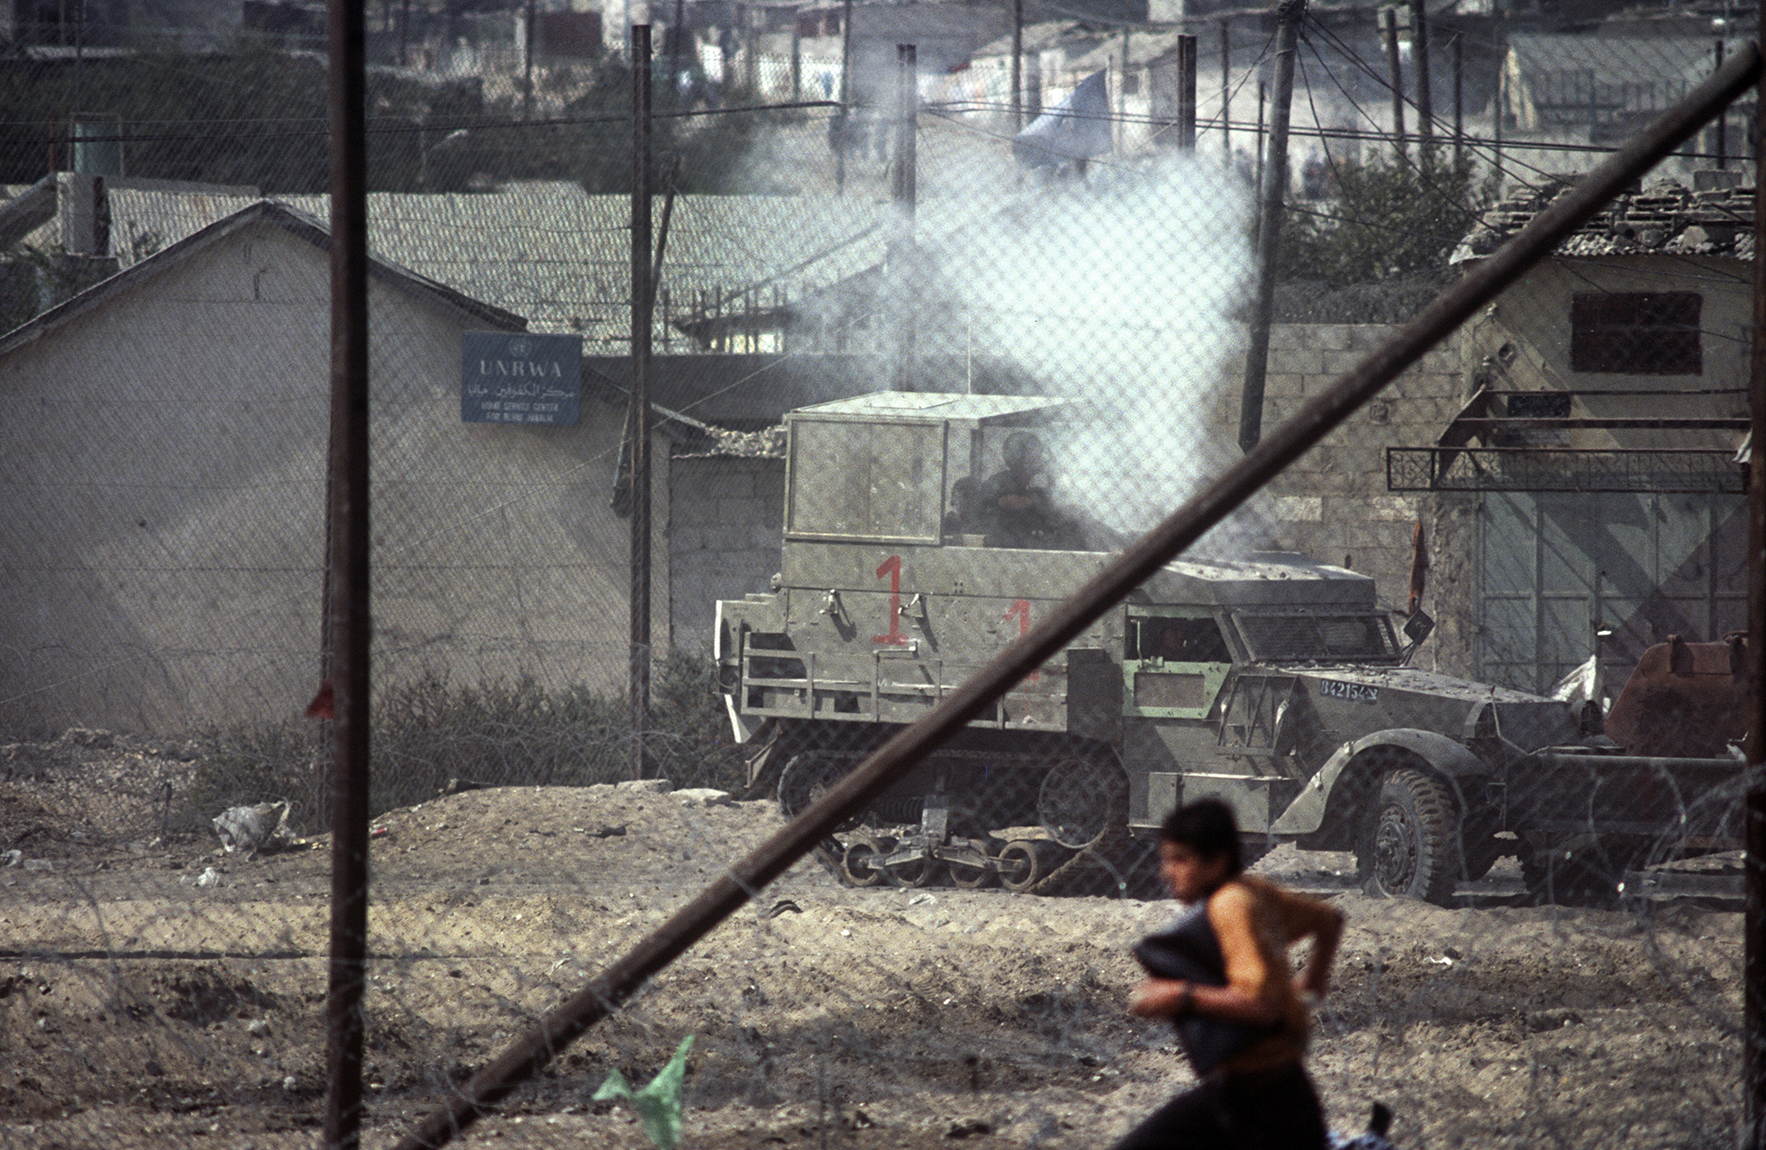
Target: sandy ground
[[159, 993]]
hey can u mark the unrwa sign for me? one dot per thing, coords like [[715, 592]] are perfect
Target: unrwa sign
[[518, 377]]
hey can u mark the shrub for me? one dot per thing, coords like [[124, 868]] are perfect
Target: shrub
[[427, 731], [1389, 218], [249, 764]]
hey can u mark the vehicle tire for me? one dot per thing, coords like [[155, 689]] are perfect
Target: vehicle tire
[[1020, 865], [1410, 842], [859, 862], [806, 778]]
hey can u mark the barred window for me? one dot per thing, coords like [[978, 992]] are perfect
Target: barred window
[[1318, 637], [1636, 333]]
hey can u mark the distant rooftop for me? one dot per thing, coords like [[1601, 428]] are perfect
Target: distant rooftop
[[1663, 218]]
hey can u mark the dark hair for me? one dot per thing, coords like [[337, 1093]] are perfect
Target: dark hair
[[1208, 827]]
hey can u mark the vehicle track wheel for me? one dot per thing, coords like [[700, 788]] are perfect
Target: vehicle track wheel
[[859, 862], [1410, 844], [806, 778], [914, 872], [969, 876], [1081, 800], [1020, 865]]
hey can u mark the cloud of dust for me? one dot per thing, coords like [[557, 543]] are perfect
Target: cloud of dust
[[1115, 293]]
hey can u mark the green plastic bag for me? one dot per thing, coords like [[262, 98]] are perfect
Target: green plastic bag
[[659, 1103]]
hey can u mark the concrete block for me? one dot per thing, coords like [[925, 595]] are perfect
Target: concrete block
[[1367, 336], [1283, 336], [686, 508], [1283, 385], [1402, 507], [1298, 508], [1300, 360], [684, 537], [728, 483]]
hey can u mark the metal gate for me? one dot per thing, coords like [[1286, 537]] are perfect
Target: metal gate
[[1565, 574]]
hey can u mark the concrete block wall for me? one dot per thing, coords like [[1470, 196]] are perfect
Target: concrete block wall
[[724, 536], [1332, 504]]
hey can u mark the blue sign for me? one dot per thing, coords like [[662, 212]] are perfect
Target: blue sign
[[517, 377]]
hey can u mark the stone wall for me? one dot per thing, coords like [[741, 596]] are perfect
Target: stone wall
[[724, 536], [1332, 504]]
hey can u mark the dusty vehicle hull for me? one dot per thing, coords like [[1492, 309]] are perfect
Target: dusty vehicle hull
[[1272, 682]]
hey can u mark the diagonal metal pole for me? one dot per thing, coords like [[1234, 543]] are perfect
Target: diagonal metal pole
[[565, 1022]]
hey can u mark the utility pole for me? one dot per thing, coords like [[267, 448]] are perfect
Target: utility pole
[[1269, 225], [1226, 90], [1497, 109], [1122, 96], [796, 59], [1722, 117], [842, 134], [1017, 66], [1186, 92], [639, 418], [1257, 172], [677, 45], [750, 48], [1395, 70], [527, 63], [902, 257], [348, 583], [1459, 101], [1425, 95]]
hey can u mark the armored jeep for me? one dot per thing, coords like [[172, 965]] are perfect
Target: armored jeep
[[1271, 681]]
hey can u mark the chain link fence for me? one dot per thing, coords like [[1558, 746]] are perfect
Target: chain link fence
[[1467, 668]]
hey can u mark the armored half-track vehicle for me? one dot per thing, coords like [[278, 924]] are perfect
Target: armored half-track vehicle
[[1273, 682]]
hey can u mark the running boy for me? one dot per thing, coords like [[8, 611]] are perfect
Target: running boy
[[1259, 1096]]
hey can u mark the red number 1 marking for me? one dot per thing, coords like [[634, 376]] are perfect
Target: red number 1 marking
[[892, 567], [1020, 610]]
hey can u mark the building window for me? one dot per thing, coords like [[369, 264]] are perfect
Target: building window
[[1636, 333]]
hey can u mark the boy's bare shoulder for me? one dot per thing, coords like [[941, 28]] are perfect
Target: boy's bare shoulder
[[1260, 891]]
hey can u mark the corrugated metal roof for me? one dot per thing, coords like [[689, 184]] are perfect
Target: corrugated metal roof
[[562, 257], [278, 215]]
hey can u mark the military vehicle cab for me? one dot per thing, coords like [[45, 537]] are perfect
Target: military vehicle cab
[[921, 537]]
